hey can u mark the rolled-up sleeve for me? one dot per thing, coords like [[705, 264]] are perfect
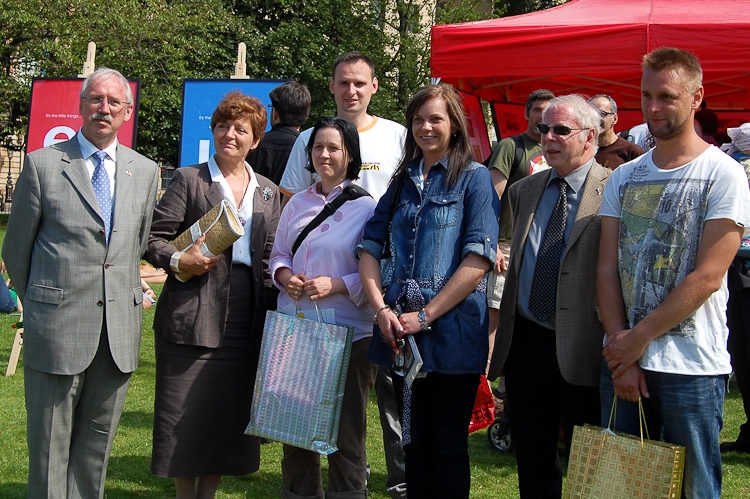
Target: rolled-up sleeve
[[481, 208], [376, 229]]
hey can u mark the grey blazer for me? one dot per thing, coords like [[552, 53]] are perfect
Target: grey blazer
[[69, 280], [194, 312], [578, 332]]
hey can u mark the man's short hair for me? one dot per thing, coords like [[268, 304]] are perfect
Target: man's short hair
[[586, 115], [542, 94], [103, 73], [683, 62], [612, 102], [353, 58], [291, 100]]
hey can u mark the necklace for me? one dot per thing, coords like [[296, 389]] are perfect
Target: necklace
[[246, 184]]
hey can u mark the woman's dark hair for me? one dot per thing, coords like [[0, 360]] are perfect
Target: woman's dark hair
[[350, 138], [459, 148]]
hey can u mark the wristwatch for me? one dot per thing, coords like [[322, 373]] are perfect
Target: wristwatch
[[174, 262], [423, 320]]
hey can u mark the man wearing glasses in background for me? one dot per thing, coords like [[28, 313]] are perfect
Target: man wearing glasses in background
[[79, 225], [549, 339], [613, 150]]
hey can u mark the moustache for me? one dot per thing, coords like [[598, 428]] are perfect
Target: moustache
[[103, 117]]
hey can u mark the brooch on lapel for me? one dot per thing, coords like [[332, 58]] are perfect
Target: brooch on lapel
[[599, 190], [267, 193], [128, 173]]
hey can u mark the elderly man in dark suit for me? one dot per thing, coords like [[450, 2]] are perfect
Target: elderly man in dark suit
[[79, 225], [549, 339]]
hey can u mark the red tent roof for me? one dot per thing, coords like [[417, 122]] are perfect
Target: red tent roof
[[596, 46]]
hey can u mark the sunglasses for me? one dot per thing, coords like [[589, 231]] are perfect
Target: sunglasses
[[604, 114], [558, 129]]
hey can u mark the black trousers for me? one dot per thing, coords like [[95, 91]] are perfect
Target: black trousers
[[437, 459], [738, 320], [538, 399]]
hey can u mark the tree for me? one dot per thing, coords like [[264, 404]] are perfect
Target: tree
[[158, 41], [163, 42]]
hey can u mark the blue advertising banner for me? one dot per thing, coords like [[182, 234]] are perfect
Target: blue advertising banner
[[199, 99]]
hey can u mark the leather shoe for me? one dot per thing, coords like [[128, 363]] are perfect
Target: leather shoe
[[741, 447]]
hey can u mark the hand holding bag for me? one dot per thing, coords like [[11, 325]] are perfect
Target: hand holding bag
[[616, 465], [299, 386]]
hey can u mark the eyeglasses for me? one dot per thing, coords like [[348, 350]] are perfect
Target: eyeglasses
[[114, 104], [558, 129], [604, 113]]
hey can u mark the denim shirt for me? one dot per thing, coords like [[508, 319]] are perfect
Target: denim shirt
[[433, 230]]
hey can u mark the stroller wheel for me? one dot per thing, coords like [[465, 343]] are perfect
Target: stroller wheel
[[498, 435]]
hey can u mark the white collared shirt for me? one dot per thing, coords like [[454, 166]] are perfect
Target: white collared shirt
[[110, 162], [241, 247]]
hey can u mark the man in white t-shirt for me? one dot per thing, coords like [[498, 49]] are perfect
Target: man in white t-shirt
[[380, 140], [671, 224], [381, 147]]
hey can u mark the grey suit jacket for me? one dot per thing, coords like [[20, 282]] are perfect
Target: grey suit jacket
[[194, 312], [69, 280], [578, 331]]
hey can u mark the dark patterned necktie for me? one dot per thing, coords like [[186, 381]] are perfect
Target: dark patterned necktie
[[544, 285], [103, 192]]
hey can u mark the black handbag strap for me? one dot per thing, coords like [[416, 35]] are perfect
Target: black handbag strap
[[351, 192], [392, 210]]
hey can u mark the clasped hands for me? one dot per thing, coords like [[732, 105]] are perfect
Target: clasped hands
[[394, 326], [621, 352], [318, 287]]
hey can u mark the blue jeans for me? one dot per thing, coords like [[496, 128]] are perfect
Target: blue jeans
[[684, 410], [7, 303]]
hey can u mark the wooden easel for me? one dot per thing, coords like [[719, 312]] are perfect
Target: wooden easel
[[240, 68], [15, 352]]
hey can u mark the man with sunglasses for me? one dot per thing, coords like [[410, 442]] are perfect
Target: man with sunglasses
[[671, 225], [549, 338], [513, 158], [613, 150]]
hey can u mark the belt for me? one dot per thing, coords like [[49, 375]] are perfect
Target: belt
[[411, 290]]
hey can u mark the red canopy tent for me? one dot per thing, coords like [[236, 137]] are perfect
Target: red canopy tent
[[596, 46]]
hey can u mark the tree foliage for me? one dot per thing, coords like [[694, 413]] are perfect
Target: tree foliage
[[163, 42]]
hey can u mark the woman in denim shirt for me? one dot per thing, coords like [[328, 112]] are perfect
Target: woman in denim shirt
[[443, 237]]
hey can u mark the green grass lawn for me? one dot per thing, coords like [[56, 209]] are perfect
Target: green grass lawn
[[493, 474]]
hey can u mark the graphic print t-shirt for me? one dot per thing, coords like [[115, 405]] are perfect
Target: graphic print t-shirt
[[662, 213]]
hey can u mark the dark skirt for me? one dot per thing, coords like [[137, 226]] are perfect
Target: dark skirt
[[203, 397]]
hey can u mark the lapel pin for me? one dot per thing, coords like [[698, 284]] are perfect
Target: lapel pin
[[599, 190], [128, 173], [267, 193]]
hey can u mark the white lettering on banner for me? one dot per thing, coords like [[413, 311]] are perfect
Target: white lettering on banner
[[51, 136], [203, 147]]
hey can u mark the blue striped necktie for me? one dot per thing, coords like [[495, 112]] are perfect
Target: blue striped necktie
[[100, 180]]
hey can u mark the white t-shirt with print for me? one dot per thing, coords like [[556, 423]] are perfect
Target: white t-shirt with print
[[381, 148], [662, 214]]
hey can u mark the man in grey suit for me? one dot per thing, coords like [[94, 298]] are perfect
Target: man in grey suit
[[549, 338], [79, 225]]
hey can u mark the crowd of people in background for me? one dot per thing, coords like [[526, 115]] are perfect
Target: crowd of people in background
[[574, 267]]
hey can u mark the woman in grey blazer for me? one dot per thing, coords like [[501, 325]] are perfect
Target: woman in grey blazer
[[208, 329]]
